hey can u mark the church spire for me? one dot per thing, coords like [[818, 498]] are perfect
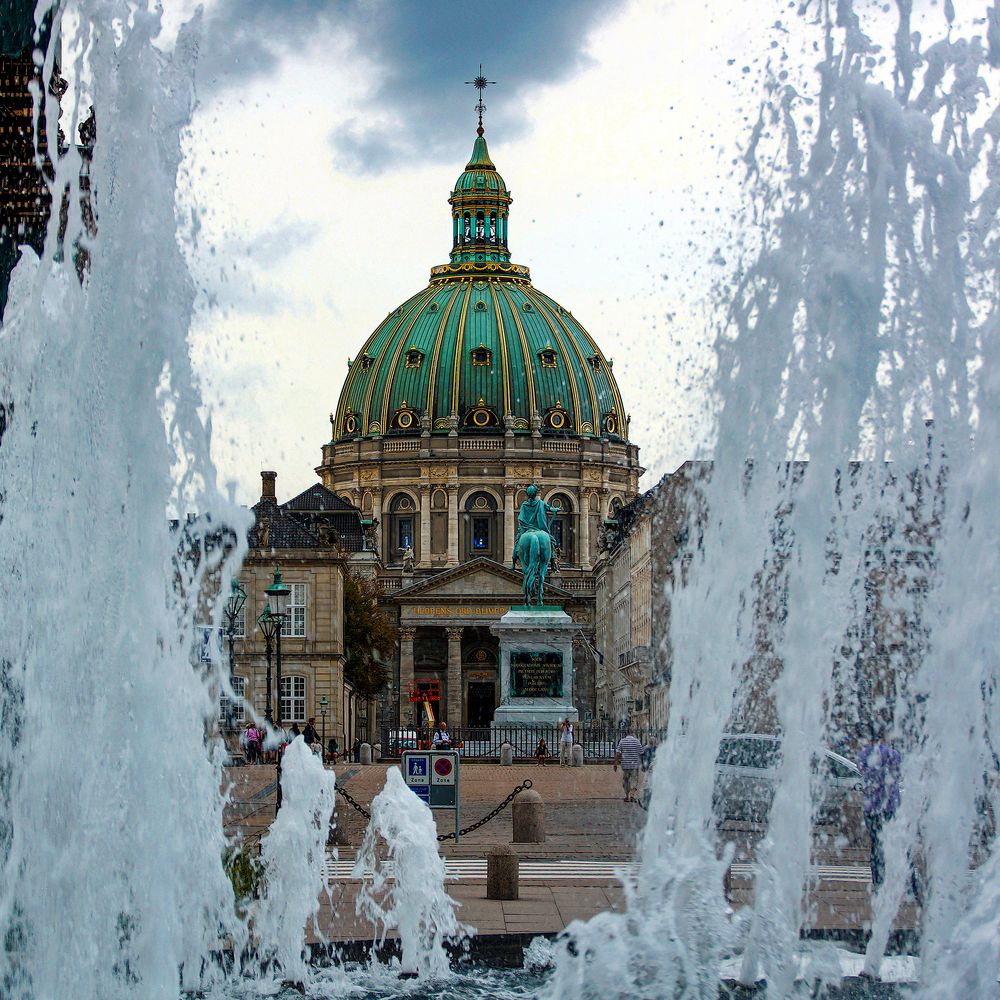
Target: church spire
[[481, 83]]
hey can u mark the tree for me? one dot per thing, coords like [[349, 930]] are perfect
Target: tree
[[369, 637]]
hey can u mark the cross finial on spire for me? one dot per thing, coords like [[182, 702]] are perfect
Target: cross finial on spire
[[481, 83]]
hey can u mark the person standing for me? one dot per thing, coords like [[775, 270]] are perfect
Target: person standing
[[879, 765], [251, 741], [629, 758], [566, 744], [309, 734]]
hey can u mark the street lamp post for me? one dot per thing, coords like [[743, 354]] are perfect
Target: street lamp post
[[278, 593], [230, 613], [322, 739], [267, 624]]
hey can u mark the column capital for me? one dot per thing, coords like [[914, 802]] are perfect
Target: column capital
[[454, 634], [407, 633]]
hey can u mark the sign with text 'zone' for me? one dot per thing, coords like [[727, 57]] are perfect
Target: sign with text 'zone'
[[536, 675], [416, 773]]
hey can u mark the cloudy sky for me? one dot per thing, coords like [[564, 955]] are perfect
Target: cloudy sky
[[329, 134]]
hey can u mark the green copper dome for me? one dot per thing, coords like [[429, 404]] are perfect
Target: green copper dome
[[480, 349]]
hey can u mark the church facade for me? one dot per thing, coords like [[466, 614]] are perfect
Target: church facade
[[472, 389]]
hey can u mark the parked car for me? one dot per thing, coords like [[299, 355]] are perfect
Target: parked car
[[746, 772], [401, 740]]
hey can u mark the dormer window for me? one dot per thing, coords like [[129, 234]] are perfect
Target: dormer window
[[350, 423], [481, 417], [482, 356], [414, 358], [557, 419], [547, 357], [366, 362], [405, 418], [595, 362]]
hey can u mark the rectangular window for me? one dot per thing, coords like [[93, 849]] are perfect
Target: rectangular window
[[405, 531], [239, 626], [225, 705], [480, 533], [293, 700], [296, 620]]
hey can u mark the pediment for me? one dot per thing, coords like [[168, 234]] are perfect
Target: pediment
[[477, 579]]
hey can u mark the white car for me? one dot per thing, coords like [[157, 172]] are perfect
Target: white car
[[746, 771]]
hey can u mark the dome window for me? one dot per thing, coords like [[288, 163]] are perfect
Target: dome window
[[528, 307], [547, 357], [414, 358], [481, 417], [557, 419], [405, 418], [595, 362], [611, 424], [433, 307], [480, 306], [482, 357], [366, 362], [350, 423]]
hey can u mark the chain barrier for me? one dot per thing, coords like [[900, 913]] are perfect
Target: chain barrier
[[354, 802], [523, 787]]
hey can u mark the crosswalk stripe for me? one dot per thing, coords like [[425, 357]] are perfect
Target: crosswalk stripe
[[475, 868]]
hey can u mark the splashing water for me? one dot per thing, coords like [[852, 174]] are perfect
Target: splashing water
[[853, 588], [843, 549], [111, 840], [293, 853], [415, 904]]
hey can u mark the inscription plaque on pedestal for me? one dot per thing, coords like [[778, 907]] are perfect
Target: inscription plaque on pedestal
[[536, 675]]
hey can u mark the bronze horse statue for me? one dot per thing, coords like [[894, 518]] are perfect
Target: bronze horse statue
[[534, 550]]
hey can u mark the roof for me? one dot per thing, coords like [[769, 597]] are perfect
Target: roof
[[315, 519], [480, 342]]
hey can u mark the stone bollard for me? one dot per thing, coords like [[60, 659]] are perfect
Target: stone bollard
[[506, 754], [365, 753], [577, 755], [501, 872], [528, 818], [376, 753]]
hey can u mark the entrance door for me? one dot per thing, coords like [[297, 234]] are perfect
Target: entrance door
[[482, 700]]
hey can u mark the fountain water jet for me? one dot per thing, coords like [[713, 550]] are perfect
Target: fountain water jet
[[111, 839], [843, 552], [409, 896]]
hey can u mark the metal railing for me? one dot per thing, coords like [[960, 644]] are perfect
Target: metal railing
[[599, 741]]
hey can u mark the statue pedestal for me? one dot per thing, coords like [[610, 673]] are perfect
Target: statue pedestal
[[536, 667]]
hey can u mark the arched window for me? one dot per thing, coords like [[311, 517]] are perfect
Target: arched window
[[481, 527], [402, 534], [480, 226], [563, 529], [467, 228], [293, 699]]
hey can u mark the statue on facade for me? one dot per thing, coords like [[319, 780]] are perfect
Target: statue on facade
[[534, 544], [407, 553]]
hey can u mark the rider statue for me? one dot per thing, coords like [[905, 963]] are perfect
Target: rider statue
[[534, 543]]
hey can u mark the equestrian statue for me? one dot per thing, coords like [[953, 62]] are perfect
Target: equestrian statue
[[534, 544]]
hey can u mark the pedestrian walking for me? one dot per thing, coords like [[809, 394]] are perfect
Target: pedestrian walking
[[566, 743], [879, 765], [541, 752], [628, 757]]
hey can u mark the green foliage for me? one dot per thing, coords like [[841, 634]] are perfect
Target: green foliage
[[369, 637], [245, 871]]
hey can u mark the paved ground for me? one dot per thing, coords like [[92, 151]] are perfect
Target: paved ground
[[592, 836]]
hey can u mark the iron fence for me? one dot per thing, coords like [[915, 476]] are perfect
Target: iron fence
[[599, 742]]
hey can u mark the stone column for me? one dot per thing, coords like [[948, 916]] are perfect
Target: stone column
[[452, 525], [454, 677], [509, 515], [406, 637], [583, 539], [425, 526], [378, 519]]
